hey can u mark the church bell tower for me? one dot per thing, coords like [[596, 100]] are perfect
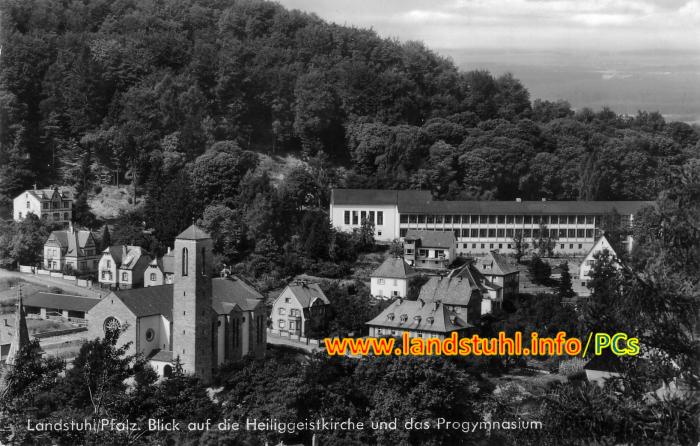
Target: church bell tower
[[192, 303]]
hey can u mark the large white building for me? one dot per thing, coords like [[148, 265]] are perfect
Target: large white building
[[479, 226], [49, 204]]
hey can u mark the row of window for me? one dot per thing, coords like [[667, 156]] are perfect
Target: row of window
[[439, 253], [294, 312], [383, 281], [510, 245], [56, 205], [502, 219], [357, 217], [511, 232], [107, 275]]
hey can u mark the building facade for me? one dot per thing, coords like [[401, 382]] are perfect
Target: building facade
[[51, 204], [482, 226], [497, 270], [601, 245], [198, 320], [73, 249], [300, 305], [123, 266], [390, 279], [429, 249], [160, 271]]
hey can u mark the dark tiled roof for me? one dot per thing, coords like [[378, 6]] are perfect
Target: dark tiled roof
[[227, 293], [47, 194], [125, 257], [378, 196], [432, 239], [394, 268], [161, 355], [496, 263], [420, 315], [453, 290], [68, 302], [148, 301], [606, 362], [307, 293], [523, 207], [72, 242], [194, 232]]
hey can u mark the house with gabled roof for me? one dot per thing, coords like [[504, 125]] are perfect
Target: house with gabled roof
[[300, 305], [601, 245], [429, 249], [160, 271], [418, 318], [497, 270], [123, 266], [198, 320], [390, 279], [51, 204], [466, 291], [74, 248]]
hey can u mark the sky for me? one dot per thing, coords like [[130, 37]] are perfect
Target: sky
[[610, 25]]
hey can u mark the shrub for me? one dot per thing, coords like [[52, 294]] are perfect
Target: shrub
[[571, 367]]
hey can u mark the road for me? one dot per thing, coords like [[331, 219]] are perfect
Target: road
[[67, 286]]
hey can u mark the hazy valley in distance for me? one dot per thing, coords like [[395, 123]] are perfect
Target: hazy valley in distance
[[664, 81]]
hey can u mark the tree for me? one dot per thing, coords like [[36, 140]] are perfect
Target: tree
[[106, 239], [539, 270], [364, 236], [396, 248], [565, 289], [520, 245], [545, 241]]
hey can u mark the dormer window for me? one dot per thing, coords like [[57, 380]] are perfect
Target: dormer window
[[390, 316], [417, 319], [430, 319], [404, 318]]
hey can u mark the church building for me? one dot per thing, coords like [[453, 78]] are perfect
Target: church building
[[199, 320]]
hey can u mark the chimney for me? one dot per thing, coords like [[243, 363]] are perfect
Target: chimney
[[313, 440], [519, 200], [34, 187], [168, 250]]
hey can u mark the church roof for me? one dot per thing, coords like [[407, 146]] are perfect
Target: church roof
[[394, 268], [148, 301], [161, 355], [229, 292], [68, 302], [194, 232], [20, 334]]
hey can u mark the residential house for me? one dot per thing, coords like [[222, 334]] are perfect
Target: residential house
[[160, 271], [71, 249], [497, 270], [429, 249], [390, 279], [300, 305], [418, 318], [201, 321], [464, 291], [52, 204], [123, 266], [601, 245]]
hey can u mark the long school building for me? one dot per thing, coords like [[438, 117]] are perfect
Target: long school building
[[479, 226]]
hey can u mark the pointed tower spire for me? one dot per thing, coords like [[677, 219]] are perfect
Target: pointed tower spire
[[20, 334]]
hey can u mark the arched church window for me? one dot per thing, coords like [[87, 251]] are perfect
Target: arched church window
[[185, 261], [167, 371], [111, 324], [204, 263]]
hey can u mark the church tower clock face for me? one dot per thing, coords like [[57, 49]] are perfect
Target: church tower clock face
[[111, 324]]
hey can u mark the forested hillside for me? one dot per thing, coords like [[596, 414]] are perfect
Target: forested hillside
[[136, 85]]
